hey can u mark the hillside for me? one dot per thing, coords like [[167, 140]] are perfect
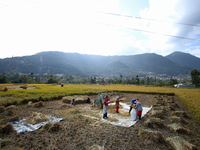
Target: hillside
[[185, 59], [93, 65]]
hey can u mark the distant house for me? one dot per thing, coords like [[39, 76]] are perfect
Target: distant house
[[184, 86]]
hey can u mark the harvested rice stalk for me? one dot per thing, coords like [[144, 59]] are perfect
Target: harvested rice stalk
[[178, 128], [54, 127], [80, 99], [46, 126], [177, 119], [153, 123], [158, 113], [6, 129], [2, 109], [36, 117], [179, 114], [11, 107], [38, 104], [96, 147], [150, 136], [179, 144], [9, 119]]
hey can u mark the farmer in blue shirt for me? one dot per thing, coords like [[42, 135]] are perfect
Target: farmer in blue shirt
[[132, 102]]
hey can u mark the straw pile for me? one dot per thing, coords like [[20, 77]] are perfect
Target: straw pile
[[38, 104], [13, 107], [178, 128], [177, 119], [158, 113], [46, 126], [65, 106], [150, 136], [9, 119], [159, 102], [6, 129], [153, 123], [54, 127], [96, 147], [36, 117], [179, 144], [78, 99], [2, 109], [179, 114]]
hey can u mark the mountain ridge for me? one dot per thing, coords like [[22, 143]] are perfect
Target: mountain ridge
[[54, 62]]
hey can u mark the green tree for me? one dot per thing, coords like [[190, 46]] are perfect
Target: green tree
[[38, 80], [23, 79], [148, 81], [137, 80], [195, 77], [51, 79], [3, 78], [173, 81], [142, 81], [121, 78]]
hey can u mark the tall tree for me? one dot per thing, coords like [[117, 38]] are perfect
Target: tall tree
[[137, 80], [195, 77], [3, 78], [23, 79]]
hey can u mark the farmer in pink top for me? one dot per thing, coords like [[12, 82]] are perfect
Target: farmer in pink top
[[105, 106]]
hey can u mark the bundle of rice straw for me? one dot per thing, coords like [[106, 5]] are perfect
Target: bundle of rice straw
[[36, 117], [80, 99]]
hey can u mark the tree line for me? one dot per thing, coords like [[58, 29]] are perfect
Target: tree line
[[15, 77]]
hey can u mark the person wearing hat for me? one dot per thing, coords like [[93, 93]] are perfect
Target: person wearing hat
[[117, 104]]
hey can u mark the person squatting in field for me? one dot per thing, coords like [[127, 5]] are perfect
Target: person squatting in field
[[73, 102], [117, 104], [105, 106], [139, 108]]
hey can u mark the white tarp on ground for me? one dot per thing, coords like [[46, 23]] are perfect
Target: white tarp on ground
[[124, 121], [22, 127]]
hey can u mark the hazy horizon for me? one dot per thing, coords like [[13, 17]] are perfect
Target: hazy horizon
[[99, 27]]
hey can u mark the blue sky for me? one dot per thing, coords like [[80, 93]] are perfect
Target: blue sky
[[31, 26]]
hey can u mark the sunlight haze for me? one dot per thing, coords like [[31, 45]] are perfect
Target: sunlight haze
[[31, 26]]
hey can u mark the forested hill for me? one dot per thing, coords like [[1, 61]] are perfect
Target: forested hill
[[185, 59], [92, 65]]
